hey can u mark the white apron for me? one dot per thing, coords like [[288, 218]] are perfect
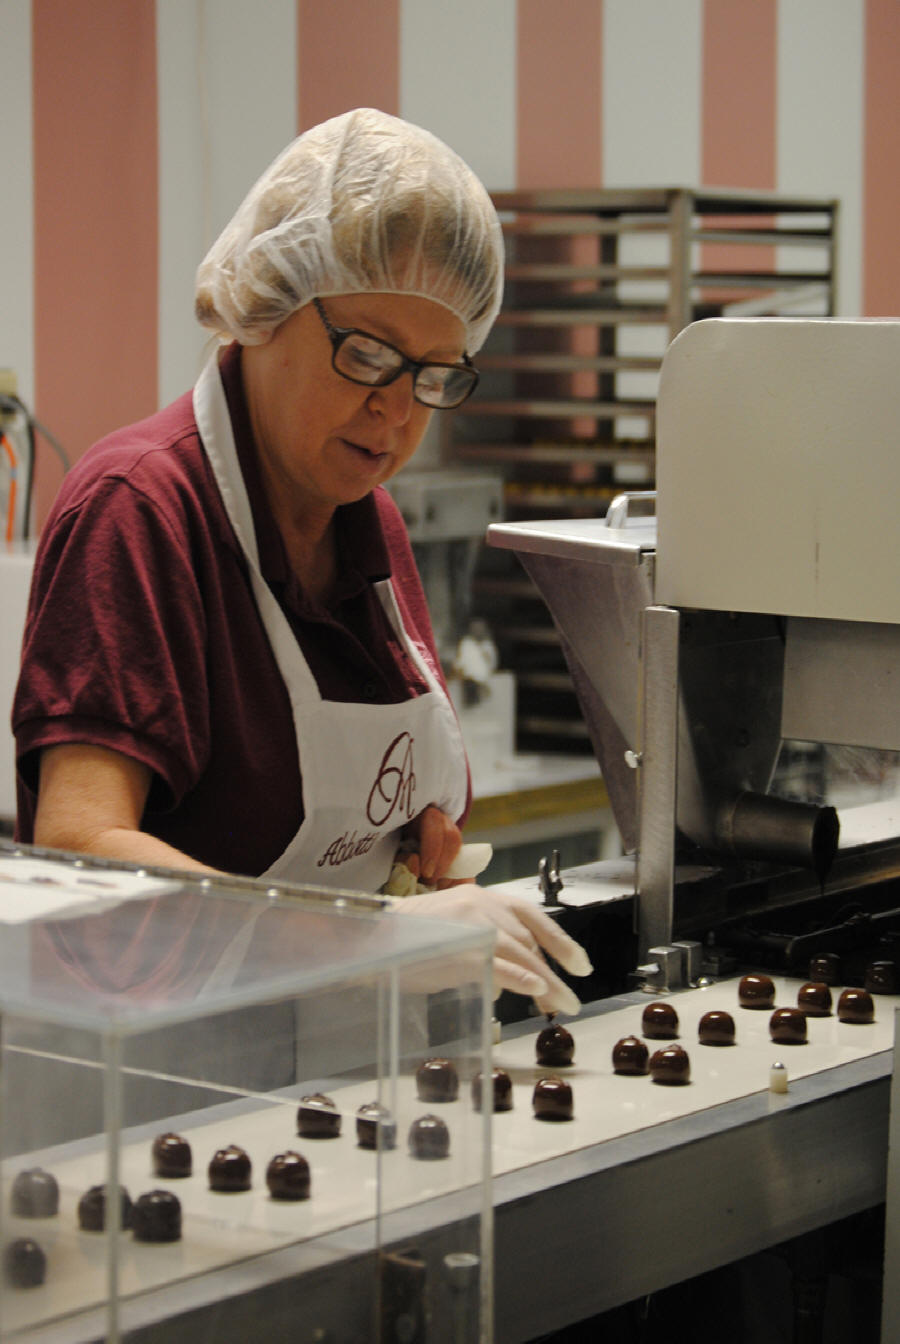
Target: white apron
[[366, 770]]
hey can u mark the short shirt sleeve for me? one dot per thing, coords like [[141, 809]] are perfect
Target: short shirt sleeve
[[115, 644]]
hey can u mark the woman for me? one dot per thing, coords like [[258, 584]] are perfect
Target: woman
[[228, 662]]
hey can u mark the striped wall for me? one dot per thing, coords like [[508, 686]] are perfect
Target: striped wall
[[131, 128]]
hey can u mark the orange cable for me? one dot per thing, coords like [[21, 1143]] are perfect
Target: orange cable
[[11, 503]]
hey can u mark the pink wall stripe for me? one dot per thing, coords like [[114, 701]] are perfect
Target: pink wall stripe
[[95, 213], [739, 110], [558, 119], [559, 139], [881, 179], [348, 56]]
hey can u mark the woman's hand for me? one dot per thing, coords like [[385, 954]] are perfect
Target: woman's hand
[[435, 841], [522, 931]]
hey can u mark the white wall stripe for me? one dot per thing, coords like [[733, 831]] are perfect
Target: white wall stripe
[[458, 80], [227, 106], [820, 121], [16, 215], [652, 71], [652, 112]]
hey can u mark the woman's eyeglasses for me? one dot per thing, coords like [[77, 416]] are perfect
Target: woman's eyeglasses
[[371, 362]]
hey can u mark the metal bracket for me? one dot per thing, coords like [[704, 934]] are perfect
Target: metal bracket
[[549, 880]]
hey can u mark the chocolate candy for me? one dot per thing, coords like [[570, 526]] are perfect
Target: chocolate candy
[[35, 1194], [375, 1127], [229, 1170], [756, 991], [501, 1090], [881, 977], [659, 1022], [555, 1047], [92, 1209], [24, 1263], [855, 1005], [787, 1026], [815, 999], [318, 1117], [171, 1156], [287, 1176], [429, 1138], [437, 1081], [825, 968], [156, 1217], [630, 1057], [552, 1099], [716, 1028], [670, 1066]]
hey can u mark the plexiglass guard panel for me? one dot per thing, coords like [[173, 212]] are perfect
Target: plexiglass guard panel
[[247, 1072]]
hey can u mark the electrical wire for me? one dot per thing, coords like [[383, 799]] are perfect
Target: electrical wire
[[11, 498], [15, 404]]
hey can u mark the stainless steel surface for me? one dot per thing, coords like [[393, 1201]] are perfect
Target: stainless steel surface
[[846, 675], [657, 777], [692, 959], [597, 580]]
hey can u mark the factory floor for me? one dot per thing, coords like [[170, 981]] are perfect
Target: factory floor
[[823, 1288]]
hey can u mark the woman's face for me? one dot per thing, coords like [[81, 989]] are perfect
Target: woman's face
[[324, 441]]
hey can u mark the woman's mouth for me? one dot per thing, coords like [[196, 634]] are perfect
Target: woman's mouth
[[371, 458]]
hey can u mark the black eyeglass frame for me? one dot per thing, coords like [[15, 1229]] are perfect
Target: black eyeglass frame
[[338, 335]]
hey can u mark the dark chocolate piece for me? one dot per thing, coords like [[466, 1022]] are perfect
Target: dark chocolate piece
[[318, 1117], [756, 991], [881, 977], [670, 1066], [659, 1022], [437, 1080], [787, 1026], [501, 1086], [855, 1005], [287, 1176], [24, 1263], [716, 1028], [35, 1194], [429, 1138], [92, 1209], [555, 1047], [229, 1170], [552, 1099], [825, 968], [631, 1057], [156, 1217], [815, 999], [171, 1156], [375, 1126]]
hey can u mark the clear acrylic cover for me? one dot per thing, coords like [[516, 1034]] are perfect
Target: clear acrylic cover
[[137, 1005]]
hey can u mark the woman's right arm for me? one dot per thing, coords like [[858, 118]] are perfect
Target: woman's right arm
[[91, 800]]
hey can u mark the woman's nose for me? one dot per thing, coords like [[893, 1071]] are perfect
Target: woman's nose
[[394, 400]]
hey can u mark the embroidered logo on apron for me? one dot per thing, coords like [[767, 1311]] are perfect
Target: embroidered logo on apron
[[395, 783], [391, 795]]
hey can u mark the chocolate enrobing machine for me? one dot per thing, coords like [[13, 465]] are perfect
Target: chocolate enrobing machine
[[758, 609]]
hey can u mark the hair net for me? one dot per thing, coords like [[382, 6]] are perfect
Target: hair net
[[363, 202]]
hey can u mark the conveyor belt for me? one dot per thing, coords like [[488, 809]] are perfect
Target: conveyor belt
[[610, 1194]]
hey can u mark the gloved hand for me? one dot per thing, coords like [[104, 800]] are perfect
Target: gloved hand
[[522, 929]]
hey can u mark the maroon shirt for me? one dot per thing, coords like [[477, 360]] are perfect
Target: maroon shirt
[[143, 635]]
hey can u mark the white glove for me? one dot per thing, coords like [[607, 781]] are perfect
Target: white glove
[[522, 931]]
